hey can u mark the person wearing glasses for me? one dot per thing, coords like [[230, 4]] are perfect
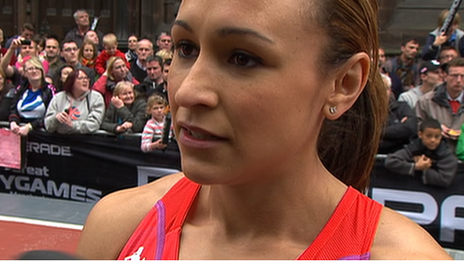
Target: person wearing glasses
[[445, 102], [70, 54], [77, 109], [28, 49], [31, 99]]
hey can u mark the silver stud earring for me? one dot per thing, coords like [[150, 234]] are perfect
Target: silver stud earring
[[333, 109]]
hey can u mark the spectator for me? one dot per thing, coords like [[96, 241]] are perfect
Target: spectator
[[15, 73], [428, 156], [27, 32], [77, 109], [61, 75], [165, 54], [153, 130], [447, 53], [437, 40], [396, 85], [81, 17], [430, 79], [93, 37], [131, 54], [110, 45], [28, 50], [166, 67], [3, 49], [154, 82], [70, 55], [164, 41], [126, 113], [6, 96], [405, 65], [40, 41], [400, 127], [116, 72], [139, 67], [445, 103], [88, 54], [31, 99], [52, 55]]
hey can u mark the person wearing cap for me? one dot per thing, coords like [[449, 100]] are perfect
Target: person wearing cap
[[430, 78], [445, 102]]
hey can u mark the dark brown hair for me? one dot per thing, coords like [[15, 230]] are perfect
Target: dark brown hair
[[348, 145], [68, 85]]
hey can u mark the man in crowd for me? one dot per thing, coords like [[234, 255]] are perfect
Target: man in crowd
[[154, 82], [27, 32], [406, 64], [81, 17], [52, 55], [138, 67], [430, 77], [445, 103], [70, 55], [164, 41]]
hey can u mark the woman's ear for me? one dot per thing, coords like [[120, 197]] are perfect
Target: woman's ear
[[351, 78]]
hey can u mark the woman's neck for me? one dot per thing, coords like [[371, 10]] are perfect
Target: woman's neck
[[77, 94], [35, 85]]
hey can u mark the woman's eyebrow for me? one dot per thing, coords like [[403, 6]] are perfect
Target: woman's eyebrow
[[183, 24], [226, 31]]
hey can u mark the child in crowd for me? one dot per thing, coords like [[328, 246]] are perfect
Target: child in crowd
[[110, 45], [153, 130], [428, 155], [88, 54]]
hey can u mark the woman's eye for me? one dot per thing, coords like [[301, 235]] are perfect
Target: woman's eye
[[244, 60], [186, 50]]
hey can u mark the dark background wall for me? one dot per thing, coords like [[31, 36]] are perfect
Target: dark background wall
[[122, 17]]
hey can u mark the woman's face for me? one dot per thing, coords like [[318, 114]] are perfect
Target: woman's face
[[88, 52], [32, 72], [127, 95], [82, 84], [132, 43], [119, 70], [65, 72], [245, 91]]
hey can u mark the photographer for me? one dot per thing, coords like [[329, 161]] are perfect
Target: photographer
[[28, 49]]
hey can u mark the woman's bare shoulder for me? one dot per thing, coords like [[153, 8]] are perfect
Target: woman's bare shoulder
[[398, 237], [114, 218]]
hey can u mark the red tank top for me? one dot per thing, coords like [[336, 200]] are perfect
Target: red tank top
[[348, 234]]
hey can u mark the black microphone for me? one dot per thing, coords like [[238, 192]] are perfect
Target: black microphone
[[166, 128]]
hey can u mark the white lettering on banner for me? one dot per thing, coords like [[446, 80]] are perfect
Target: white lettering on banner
[[49, 149], [421, 198], [30, 170], [37, 185], [449, 223], [144, 173]]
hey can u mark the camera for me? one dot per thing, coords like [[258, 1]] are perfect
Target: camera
[[25, 42]]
